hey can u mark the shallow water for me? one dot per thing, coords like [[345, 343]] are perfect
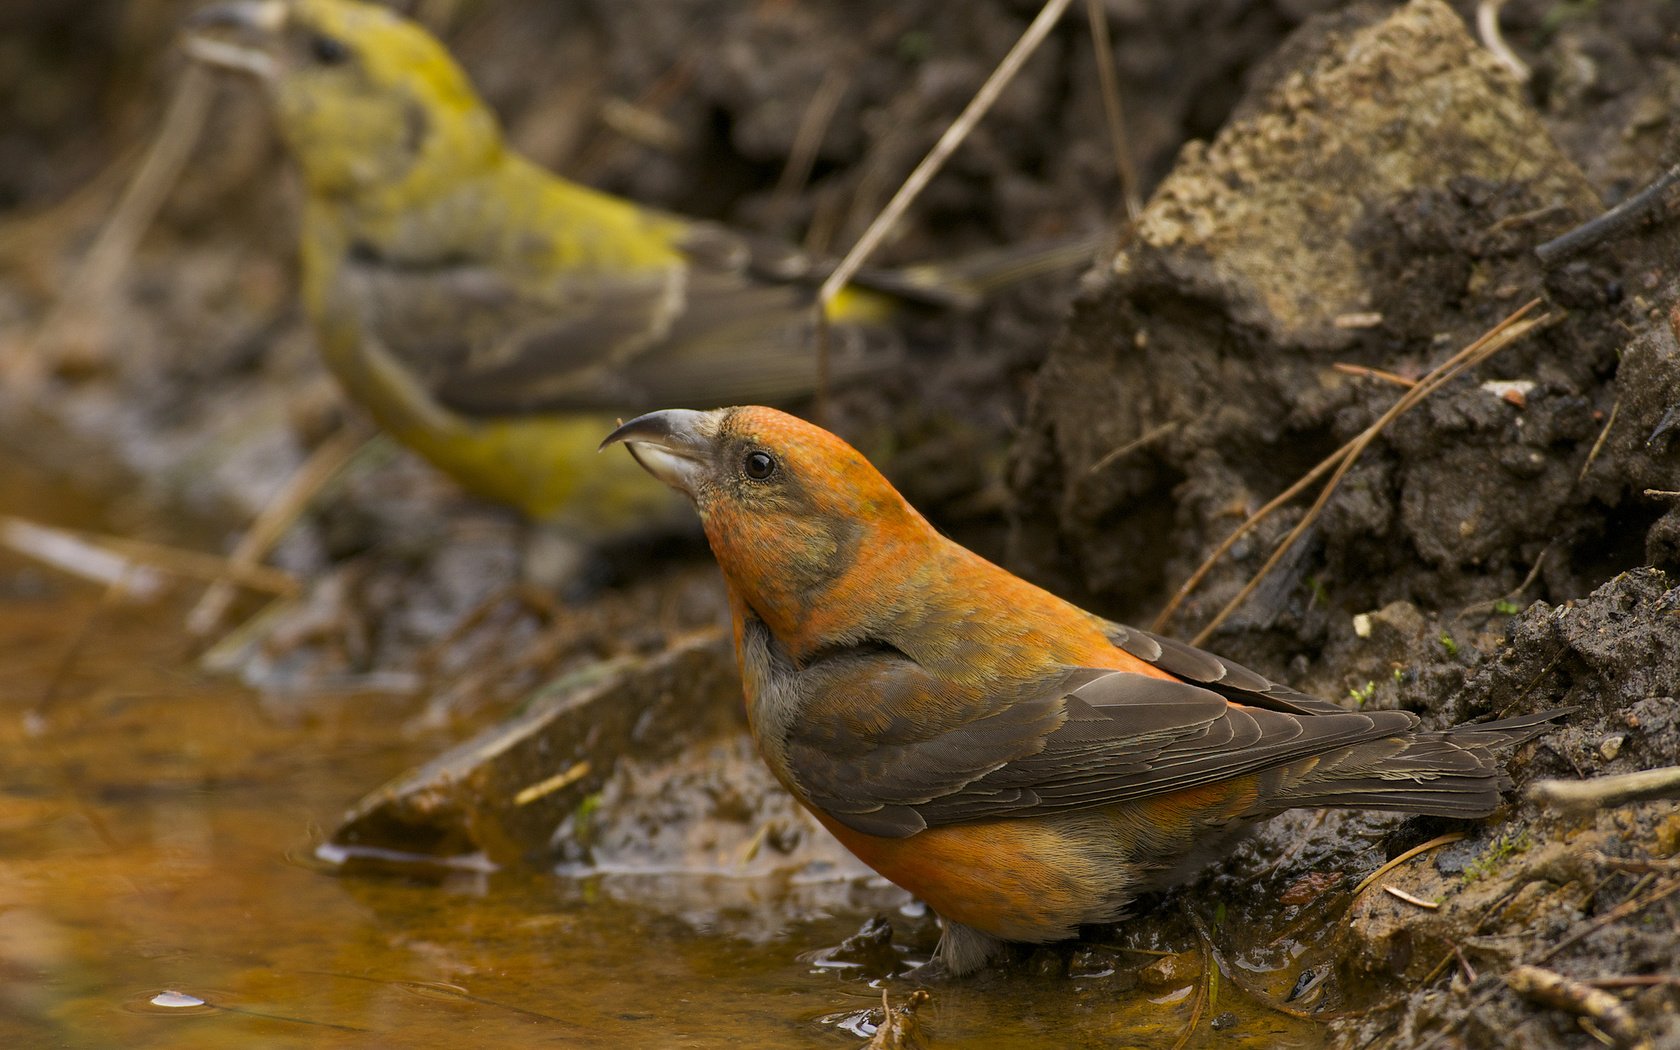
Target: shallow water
[[159, 887]]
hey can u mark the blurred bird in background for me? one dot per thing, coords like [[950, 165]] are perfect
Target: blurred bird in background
[[497, 318], [1020, 764]]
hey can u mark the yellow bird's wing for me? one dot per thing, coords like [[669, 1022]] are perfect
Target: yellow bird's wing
[[721, 322]]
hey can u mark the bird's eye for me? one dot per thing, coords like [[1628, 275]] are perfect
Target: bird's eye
[[327, 50], [759, 464]]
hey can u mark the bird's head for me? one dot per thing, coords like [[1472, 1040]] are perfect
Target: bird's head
[[801, 523], [367, 100]]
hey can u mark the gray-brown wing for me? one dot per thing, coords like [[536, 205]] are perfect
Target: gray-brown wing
[[1087, 739], [1225, 677], [487, 341]]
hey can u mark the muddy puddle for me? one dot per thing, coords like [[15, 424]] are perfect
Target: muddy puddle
[[160, 887]]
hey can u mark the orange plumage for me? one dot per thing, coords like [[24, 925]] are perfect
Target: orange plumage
[[1020, 764]]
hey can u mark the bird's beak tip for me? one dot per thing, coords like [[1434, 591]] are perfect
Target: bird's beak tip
[[676, 427], [671, 444], [262, 16], [235, 35]]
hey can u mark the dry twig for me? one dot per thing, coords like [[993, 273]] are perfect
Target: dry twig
[[1365, 371], [1203, 988], [97, 274], [1550, 988], [108, 559], [808, 137], [1493, 603], [942, 150], [1598, 445], [922, 174], [1397, 892], [1631, 906], [1611, 223], [1605, 792], [1148, 437], [272, 522]]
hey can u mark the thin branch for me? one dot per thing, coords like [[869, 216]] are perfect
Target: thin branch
[[942, 150], [1605, 792], [1608, 225]]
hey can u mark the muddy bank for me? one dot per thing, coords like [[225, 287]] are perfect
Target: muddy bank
[[1370, 208]]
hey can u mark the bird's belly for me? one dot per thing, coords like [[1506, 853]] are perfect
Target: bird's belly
[[1023, 880], [1038, 878]]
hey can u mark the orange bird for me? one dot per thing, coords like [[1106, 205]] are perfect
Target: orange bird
[[1018, 763]]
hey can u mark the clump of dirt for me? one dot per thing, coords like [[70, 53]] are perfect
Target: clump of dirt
[[1541, 890]]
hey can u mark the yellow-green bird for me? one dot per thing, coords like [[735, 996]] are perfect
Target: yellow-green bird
[[495, 317]]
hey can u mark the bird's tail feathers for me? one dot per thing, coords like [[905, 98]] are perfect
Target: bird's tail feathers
[[1450, 773], [964, 282]]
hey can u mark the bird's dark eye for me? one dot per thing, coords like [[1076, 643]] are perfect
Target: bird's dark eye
[[759, 464], [327, 50]]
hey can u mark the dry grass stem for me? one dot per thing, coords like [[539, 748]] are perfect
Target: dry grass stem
[[273, 521], [1113, 110], [94, 279], [104, 559], [1148, 437], [1203, 988], [1493, 603], [920, 176], [1598, 445], [1434, 843], [1397, 892], [808, 137], [1631, 906], [1366, 372]]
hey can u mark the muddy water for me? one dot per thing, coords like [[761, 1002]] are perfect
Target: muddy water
[[159, 887]]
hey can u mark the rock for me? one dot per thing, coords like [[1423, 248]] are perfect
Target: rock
[[503, 793]]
